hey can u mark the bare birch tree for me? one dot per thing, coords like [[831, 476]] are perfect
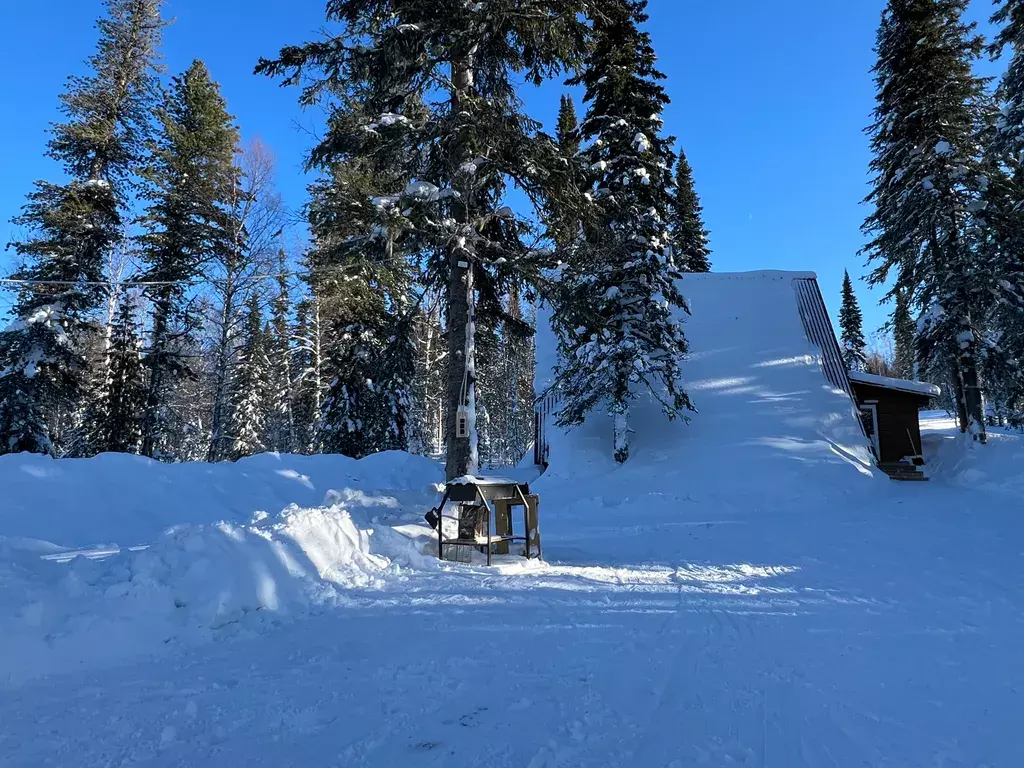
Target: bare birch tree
[[259, 218]]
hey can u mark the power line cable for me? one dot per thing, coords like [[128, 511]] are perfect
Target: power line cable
[[131, 283]]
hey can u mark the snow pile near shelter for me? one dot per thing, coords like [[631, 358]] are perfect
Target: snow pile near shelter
[[195, 581], [128, 500], [768, 421], [954, 459]]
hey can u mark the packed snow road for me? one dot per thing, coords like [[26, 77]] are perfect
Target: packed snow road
[[880, 628]]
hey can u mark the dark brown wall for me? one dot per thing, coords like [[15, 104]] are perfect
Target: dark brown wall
[[897, 415]]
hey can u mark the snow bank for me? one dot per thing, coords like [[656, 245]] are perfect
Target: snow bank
[[128, 500], [235, 561], [952, 458]]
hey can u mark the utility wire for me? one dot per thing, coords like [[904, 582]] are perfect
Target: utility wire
[[131, 283]]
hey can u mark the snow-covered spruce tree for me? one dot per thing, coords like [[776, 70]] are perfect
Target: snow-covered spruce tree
[[280, 425], [120, 430], [247, 425], [75, 226], [1009, 17], [689, 238], [1005, 210], [564, 202], [192, 179], [904, 333], [365, 286], [367, 406], [851, 324], [616, 318], [567, 130], [433, 82], [928, 182], [309, 379]]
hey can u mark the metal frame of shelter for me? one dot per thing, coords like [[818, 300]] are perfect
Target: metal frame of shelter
[[482, 494]]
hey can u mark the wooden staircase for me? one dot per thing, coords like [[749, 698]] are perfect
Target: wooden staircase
[[902, 470]]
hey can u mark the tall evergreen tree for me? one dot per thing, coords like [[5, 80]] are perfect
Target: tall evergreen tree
[[689, 238], [75, 226], [1005, 208], [616, 321], [567, 130], [851, 323], [385, 68], [928, 185], [564, 203], [248, 408], [367, 406], [120, 427], [192, 179], [365, 284], [1009, 17], [905, 339]]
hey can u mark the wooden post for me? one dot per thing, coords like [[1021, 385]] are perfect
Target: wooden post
[[502, 523], [533, 526]]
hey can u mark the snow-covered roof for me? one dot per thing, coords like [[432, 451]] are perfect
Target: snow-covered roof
[[471, 480], [903, 385]]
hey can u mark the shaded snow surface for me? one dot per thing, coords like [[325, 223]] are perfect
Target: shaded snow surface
[[744, 592]]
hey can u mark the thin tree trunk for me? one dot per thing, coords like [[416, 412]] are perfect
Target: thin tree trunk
[[620, 415], [318, 360], [958, 398]]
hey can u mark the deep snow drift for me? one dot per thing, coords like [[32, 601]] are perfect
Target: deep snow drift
[[746, 591], [117, 556], [129, 500]]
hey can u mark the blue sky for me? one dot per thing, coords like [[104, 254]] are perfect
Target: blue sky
[[769, 101]]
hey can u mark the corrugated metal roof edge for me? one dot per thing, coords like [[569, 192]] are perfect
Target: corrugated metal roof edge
[[764, 274]]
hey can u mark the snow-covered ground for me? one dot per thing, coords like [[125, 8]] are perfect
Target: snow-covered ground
[[746, 591]]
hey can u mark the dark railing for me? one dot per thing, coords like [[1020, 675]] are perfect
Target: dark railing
[[819, 331], [544, 412]]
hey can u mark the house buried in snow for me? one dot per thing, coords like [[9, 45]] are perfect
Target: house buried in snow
[[767, 377]]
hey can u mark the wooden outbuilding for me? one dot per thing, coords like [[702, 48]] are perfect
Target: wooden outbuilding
[[890, 411]]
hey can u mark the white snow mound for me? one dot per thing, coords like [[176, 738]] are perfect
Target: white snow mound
[[130, 500], [196, 581]]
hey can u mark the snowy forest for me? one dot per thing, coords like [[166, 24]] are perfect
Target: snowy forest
[[162, 310], [165, 306], [945, 232]]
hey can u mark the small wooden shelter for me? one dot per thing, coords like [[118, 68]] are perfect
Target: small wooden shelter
[[477, 513], [889, 410]]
